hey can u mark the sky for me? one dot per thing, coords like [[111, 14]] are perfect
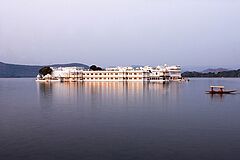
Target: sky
[[120, 32]]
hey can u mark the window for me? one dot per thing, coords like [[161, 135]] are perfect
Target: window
[[91, 73], [135, 78], [116, 78], [135, 73], [96, 74], [116, 73]]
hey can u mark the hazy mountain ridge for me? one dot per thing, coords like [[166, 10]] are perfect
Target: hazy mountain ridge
[[17, 70], [215, 70]]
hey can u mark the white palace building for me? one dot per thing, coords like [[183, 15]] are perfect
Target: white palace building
[[152, 74]]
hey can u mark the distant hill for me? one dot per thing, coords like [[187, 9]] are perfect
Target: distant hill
[[70, 65], [16, 70], [214, 70], [137, 66], [230, 73]]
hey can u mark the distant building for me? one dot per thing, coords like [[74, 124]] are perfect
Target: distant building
[[175, 72], [151, 74]]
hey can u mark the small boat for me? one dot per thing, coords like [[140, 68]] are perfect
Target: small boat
[[220, 90]]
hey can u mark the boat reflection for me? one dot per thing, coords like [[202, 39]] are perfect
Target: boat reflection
[[217, 97]]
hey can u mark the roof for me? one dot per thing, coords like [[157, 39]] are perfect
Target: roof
[[216, 86]]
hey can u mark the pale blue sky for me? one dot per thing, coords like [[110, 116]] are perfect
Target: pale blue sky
[[120, 32]]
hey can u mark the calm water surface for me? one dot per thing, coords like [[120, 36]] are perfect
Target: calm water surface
[[120, 121]]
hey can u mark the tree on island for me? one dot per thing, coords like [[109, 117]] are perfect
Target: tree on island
[[45, 70], [95, 68]]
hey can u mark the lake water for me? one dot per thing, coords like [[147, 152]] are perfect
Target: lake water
[[120, 121]]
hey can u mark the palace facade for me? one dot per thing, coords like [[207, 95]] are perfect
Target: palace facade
[[159, 73]]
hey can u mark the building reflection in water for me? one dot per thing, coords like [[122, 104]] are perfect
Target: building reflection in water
[[104, 94], [45, 94]]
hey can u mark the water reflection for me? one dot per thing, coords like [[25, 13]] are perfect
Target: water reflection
[[45, 94], [221, 97], [100, 94], [216, 98], [104, 120]]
